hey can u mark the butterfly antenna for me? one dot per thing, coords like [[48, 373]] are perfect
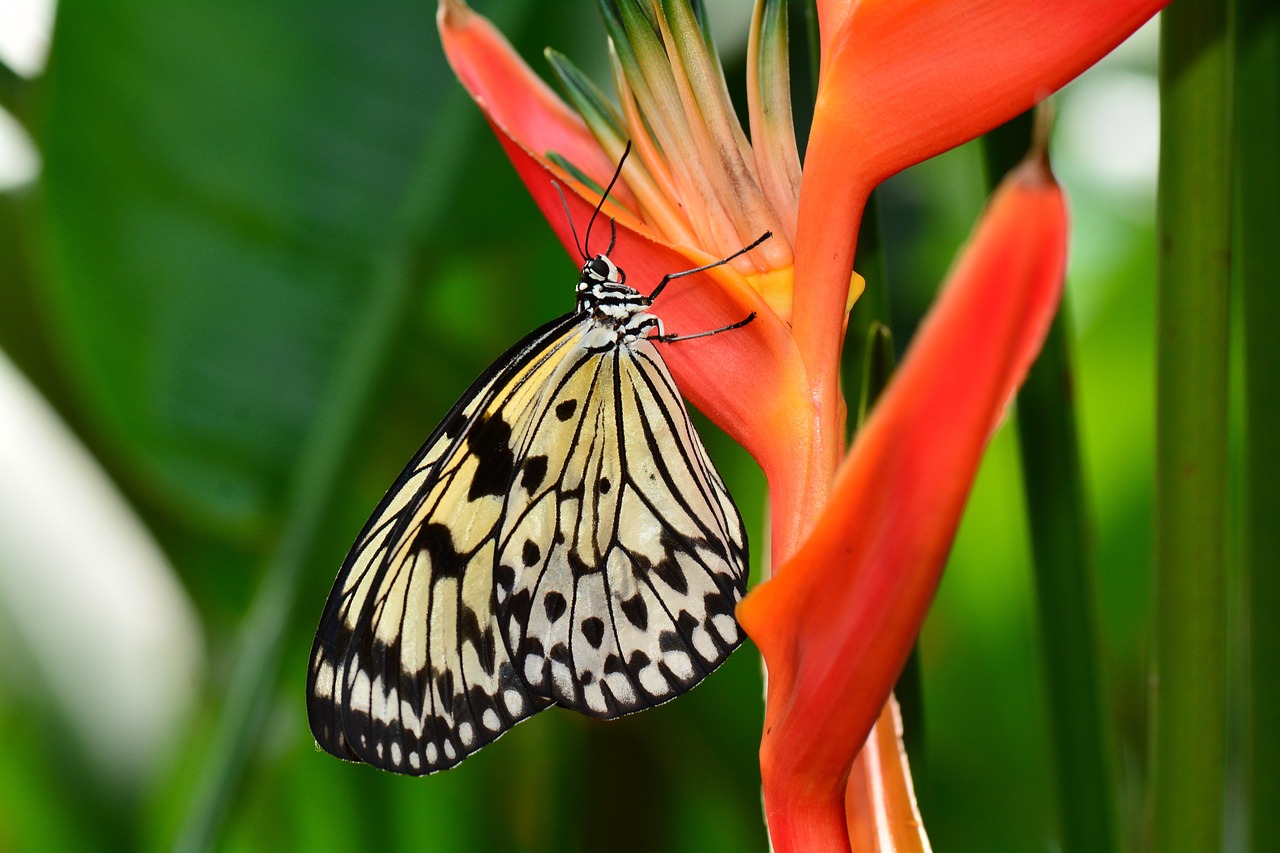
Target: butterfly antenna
[[617, 174], [577, 245]]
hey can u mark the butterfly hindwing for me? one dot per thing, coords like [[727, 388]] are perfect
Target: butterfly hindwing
[[633, 603]]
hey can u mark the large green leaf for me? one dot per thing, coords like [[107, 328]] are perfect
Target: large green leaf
[[221, 178]]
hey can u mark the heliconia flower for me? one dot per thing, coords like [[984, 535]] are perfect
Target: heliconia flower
[[858, 539]]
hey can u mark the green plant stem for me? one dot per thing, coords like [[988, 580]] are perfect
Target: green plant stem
[[1063, 560], [316, 483], [1066, 601], [1192, 333], [1257, 104]]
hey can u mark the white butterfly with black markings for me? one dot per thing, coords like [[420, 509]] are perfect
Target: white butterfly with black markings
[[562, 538]]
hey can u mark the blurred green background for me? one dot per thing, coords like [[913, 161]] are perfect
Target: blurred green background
[[249, 254]]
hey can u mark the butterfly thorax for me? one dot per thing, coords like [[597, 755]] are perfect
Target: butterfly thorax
[[612, 304]]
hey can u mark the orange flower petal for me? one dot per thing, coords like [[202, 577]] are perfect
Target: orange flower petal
[[903, 80], [512, 96], [880, 799], [836, 623]]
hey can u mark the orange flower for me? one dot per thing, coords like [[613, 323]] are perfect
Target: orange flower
[[859, 539]]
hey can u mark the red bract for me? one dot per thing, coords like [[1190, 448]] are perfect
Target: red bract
[[859, 539], [834, 648]]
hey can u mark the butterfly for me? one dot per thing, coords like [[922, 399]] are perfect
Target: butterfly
[[561, 538]]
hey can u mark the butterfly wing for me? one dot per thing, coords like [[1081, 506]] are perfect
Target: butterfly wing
[[408, 671], [633, 602], [561, 537]]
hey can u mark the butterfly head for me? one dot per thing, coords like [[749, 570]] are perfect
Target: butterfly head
[[600, 271]]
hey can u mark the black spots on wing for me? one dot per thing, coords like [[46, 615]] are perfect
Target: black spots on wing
[[717, 604], [533, 472], [670, 641], [565, 410], [636, 611], [483, 640], [613, 664], [593, 630], [603, 485], [505, 578], [436, 540], [531, 553], [490, 443], [672, 575], [444, 685], [488, 652], [469, 627], [638, 661], [560, 654], [521, 602], [686, 623], [454, 423], [555, 606]]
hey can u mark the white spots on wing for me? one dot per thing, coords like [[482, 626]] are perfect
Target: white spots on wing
[[414, 761], [726, 627], [704, 645], [397, 754], [433, 753], [594, 697], [514, 702], [680, 665], [622, 689], [359, 697], [491, 720], [409, 719], [449, 752], [378, 749], [324, 681], [467, 734], [653, 681], [563, 681], [533, 669]]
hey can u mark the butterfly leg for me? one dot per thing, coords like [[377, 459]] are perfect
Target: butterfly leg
[[671, 339], [670, 277]]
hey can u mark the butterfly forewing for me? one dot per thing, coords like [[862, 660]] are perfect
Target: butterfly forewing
[[562, 537], [408, 671]]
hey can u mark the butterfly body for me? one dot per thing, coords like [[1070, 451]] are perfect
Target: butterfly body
[[561, 538]]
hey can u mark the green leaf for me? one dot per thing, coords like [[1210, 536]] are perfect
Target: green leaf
[[220, 182]]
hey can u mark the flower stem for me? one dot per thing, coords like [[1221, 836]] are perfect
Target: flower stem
[[1193, 273], [1257, 98]]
